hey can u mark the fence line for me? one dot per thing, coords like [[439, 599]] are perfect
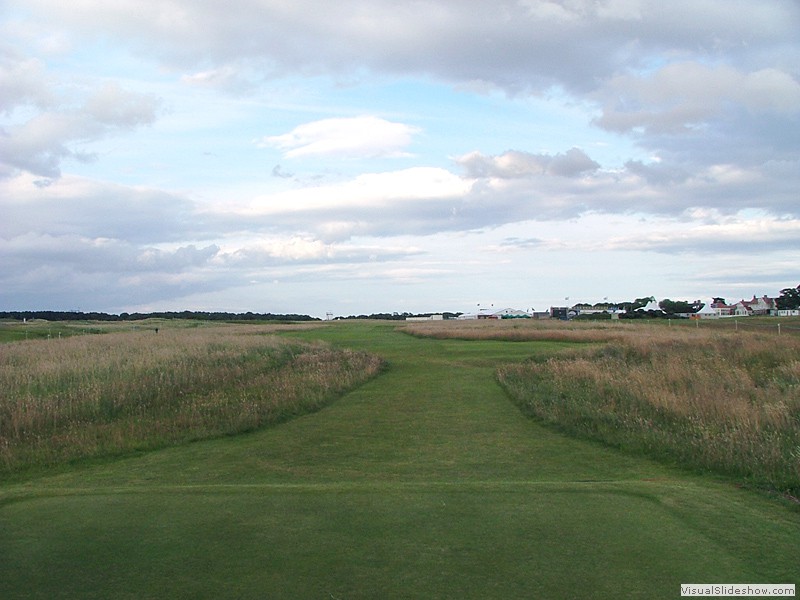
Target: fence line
[[729, 323]]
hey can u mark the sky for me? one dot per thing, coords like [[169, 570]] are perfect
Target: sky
[[364, 156]]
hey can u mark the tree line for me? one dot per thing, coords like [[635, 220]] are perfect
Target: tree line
[[58, 315]]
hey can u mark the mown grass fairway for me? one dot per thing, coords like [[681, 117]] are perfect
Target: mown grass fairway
[[426, 482]]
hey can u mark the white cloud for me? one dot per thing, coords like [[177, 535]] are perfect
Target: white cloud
[[355, 137], [373, 191]]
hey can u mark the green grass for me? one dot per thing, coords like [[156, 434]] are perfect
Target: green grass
[[39, 329], [426, 482]]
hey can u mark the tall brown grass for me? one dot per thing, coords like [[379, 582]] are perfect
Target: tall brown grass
[[88, 396], [521, 330], [723, 402]]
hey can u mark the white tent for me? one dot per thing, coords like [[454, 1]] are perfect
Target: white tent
[[652, 305], [707, 312]]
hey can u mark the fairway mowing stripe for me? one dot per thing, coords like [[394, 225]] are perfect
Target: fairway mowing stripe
[[499, 486]]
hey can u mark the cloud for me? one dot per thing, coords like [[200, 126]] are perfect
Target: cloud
[[515, 164], [91, 209], [98, 255], [228, 78], [22, 82], [115, 107], [40, 144], [681, 96], [515, 45], [355, 137], [657, 173], [44, 270], [681, 77], [277, 171], [678, 119], [511, 187], [736, 236], [279, 250], [367, 191]]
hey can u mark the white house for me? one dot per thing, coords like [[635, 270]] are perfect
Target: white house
[[756, 306]]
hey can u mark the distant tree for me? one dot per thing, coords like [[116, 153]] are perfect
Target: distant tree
[[642, 302], [789, 299], [717, 300], [674, 307]]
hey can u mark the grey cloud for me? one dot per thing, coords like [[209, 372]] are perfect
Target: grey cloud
[[515, 164], [87, 255], [43, 142], [116, 107], [22, 82], [515, 242], [330, 253], [43, 271], [83, 208], [515, 45], [277, 171], [737, 137], [680, 96], [495, 201], [185, 257], [657, 174], [574, 162], [58, 286], [487, 204], [739, 239]]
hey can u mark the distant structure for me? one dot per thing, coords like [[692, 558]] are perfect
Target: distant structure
[[428, 318], [708, 311], [505, 313], [652, 307]]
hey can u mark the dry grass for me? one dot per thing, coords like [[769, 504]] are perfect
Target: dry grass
[[724, 402], [521, 330], [85, 396]]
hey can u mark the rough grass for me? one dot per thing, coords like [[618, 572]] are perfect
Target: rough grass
[[592, 331], [89, 396], [522, 330], [721, 402]]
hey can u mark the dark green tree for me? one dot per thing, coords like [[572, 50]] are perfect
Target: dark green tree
[[789, 299], [673, 307]]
